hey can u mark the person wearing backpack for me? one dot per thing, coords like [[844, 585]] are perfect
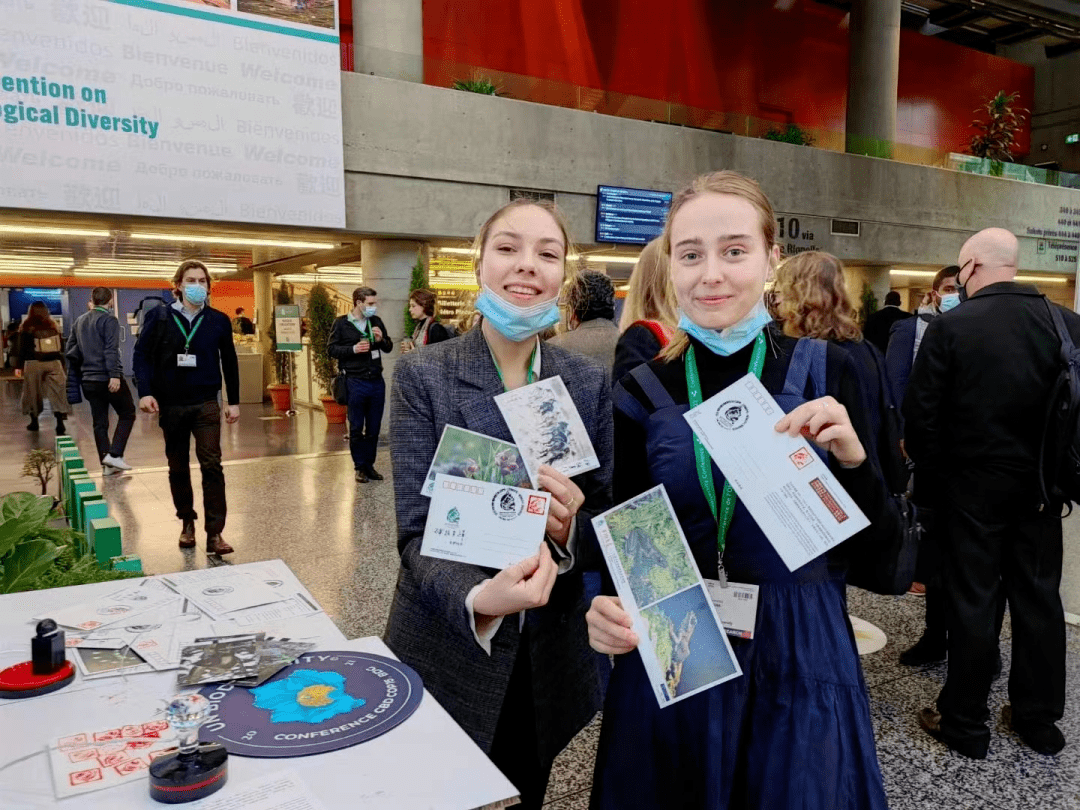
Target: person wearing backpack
[[93, 353], [183, 352], [40, 364], [974, 420]]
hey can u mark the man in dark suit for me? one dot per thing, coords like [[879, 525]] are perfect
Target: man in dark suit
[[877, 326], [974, 422], [358, 340], [906, 334]]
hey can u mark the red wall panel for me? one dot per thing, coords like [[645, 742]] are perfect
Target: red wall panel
[[749, 59]]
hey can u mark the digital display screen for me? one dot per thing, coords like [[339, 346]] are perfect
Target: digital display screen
[[630, 216]]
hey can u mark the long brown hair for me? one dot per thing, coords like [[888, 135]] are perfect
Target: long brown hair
[[650, 295], [813, 298], [38, 319], [725, 182], [426, 299]]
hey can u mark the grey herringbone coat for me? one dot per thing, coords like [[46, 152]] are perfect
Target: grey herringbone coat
[[453, 383]]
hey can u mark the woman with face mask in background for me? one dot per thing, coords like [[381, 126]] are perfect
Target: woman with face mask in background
[[794, 729], [505, 652]]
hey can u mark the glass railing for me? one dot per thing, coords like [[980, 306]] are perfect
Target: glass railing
[[565, 94]]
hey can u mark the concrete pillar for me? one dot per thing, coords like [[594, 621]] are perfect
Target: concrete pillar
[[264, 314], [873, 72], [388, 38], [388, 267]]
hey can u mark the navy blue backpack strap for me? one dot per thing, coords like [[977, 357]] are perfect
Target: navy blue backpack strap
[[651, 387], [807, 363]]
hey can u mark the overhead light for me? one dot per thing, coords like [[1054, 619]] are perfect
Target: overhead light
[[921, 273], [458, 251], [44, 271], [51, 231], [611, 259], [1044, 279], [232, 240]]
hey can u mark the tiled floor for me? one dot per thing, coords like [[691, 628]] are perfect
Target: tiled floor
[[292, 496]]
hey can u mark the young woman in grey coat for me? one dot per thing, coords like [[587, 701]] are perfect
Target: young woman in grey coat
[[505, 652]]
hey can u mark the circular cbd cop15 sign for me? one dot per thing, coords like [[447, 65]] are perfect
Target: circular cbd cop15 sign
[[322, 702]]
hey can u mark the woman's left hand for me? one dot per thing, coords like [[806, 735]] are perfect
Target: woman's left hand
[[826, 423], [566, 500]]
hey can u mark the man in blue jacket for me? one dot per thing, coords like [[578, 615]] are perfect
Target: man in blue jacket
[[181, 355], [93, 351]]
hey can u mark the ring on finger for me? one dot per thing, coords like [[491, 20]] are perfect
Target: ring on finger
[[570, 502]]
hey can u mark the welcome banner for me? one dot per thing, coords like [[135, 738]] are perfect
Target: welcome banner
[[198, 109]]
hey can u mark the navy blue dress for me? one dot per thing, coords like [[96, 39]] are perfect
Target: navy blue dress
[[794, 731]]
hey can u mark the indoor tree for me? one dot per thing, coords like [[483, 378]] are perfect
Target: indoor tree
[[997, 134]]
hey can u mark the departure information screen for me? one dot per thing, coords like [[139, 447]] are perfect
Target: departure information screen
[[630, 216]]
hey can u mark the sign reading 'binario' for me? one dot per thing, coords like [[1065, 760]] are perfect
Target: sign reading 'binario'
[[195, 109]]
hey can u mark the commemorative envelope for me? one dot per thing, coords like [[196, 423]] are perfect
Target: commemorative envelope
[[485, 524]]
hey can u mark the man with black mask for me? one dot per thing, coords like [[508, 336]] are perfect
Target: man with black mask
[[974, 416]]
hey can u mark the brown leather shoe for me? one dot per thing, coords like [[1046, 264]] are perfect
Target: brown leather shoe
[[216, 545], [187, 536]]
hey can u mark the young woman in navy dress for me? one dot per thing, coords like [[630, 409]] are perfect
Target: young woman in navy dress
[[794, 730]]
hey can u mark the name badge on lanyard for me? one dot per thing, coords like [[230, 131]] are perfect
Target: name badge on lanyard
[[736, 605], [184, 359]]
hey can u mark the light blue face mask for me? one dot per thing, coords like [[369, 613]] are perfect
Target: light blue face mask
[[949, 301], [369, 311], [513, 322], [727, 341], [195, 294]]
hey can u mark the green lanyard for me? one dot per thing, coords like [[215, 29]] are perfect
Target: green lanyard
[[701, 455], [187, 335], [102, 309], [530, 375]]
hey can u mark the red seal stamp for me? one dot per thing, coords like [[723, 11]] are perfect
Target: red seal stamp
[[82, 754], [801, 457], [536, 505], [132, 765], [110, 760], [72, 741], [154, 725], [85, 777], [111, 734]]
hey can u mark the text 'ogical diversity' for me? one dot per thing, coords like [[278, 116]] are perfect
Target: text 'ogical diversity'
[[66, 114]]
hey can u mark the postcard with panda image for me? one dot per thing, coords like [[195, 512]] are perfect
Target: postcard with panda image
[[467, 454]]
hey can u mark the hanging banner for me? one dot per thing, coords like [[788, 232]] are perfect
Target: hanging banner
[[193, 110]]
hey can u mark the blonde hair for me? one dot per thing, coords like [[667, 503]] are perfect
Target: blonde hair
[[650, 296], [813, 299], [570, 267], [725, 182]]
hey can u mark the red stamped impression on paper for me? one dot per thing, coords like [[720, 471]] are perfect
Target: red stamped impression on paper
[[132, 765], [801, 457], [535, 505], [111, 734], [85, 777]]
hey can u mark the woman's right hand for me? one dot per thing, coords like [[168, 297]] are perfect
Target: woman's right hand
[[610, 628], [518, 587]]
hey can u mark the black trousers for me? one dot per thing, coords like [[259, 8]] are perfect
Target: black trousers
[[514, 748], [203, 421], [367, 400], [928, 572], [1022, 556], [99, 396]]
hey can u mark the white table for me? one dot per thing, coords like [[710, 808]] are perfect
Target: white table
[[427, 762]]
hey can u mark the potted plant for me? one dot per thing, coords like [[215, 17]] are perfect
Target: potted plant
[[284, 362], [792, 134], [321, 315], [997, 135]]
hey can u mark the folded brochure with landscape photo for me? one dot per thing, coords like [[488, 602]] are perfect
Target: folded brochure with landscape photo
[[682, 642]]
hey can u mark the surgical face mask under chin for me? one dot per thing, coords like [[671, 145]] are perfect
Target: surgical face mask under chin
[[513, 322], [730, 339], [949, 301], [195, 294]]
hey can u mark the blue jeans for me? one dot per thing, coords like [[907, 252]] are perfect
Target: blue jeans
[[367, 398]]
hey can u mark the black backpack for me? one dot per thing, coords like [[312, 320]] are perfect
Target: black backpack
[[1059, 455]]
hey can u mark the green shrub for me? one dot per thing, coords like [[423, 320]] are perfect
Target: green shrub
[[792, 134], [484, 87], [321, 315], [34, 555]]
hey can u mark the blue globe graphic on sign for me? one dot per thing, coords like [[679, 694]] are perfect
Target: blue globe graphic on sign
[[306, 696]]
